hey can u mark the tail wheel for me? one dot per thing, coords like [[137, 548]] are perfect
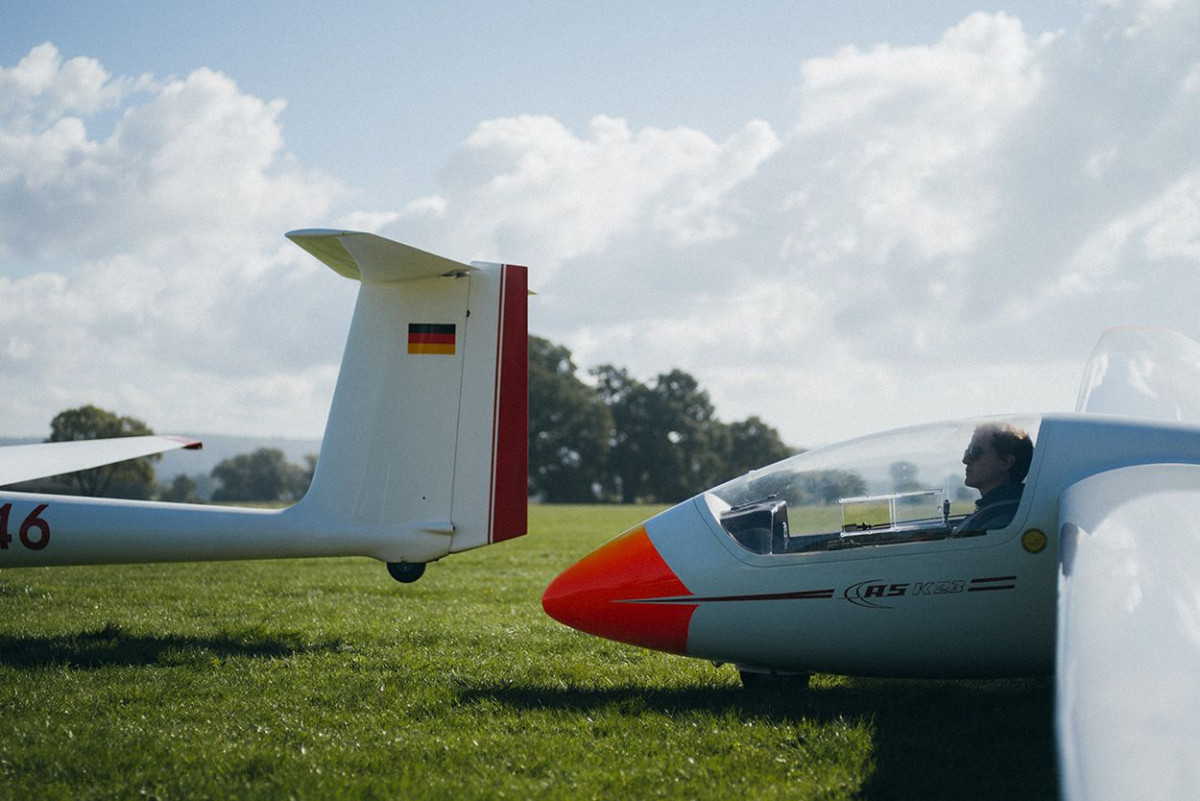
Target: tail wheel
[[406, 572], [759, 682]]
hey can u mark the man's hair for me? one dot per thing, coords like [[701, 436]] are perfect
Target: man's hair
[[1009, 440]]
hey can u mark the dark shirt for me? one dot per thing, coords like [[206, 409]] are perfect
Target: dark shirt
[[995, 509]]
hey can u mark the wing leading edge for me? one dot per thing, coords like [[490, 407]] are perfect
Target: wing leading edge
[[42, 459], [1128, 667]]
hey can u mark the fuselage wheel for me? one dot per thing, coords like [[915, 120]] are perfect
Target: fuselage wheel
[[406, 572], [758, 682]]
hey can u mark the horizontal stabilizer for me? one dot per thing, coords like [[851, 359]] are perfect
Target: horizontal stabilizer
[[42, 459], [1150, 373], [373, 259]]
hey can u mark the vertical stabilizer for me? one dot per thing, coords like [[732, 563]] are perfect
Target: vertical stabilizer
[[427, 435], [493, 432]]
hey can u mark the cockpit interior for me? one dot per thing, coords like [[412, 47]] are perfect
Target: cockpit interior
[[899, 487]]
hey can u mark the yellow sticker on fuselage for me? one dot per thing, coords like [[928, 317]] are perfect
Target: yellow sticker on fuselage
[[1034, 540]]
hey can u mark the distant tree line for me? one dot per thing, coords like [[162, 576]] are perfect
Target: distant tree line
[[262, 475], [615, 439], [609, 438]]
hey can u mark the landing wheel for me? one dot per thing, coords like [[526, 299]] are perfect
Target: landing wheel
[[406, 572], [757, 682]]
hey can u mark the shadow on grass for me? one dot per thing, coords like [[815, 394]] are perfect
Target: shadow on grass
[[932, 739], [112, 645]]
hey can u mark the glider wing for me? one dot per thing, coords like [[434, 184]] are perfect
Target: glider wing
[[1128, 662], [42, 459]]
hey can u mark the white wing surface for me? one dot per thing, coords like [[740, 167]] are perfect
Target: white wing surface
[[1128, 667], [27, 462], [1143, 372]]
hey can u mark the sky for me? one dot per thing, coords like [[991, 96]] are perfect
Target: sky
[[841, 216]]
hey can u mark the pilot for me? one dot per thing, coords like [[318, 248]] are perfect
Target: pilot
[[997, 461]]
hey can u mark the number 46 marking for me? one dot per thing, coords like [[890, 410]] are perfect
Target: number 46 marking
[[34, 532]]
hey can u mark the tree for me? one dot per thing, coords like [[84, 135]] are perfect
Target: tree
[[130, 479], [829, 486], [701, 441], [753, 444], [181, 490], [568, 429], [263, 475], [666, 441], [904, 476], [632, 433]]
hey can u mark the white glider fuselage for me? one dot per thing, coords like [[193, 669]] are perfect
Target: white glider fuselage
[[905, 597], [96, 531]]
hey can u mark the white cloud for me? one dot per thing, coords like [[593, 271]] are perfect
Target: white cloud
[[937, 217], [177, 285], [1167, 226], [41, 86], [530, 189], [942, 229], [902, 142]]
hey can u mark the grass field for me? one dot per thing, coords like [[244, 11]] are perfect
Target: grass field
[[326, 679]]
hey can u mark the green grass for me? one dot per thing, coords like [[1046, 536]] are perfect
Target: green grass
[[326, 679]]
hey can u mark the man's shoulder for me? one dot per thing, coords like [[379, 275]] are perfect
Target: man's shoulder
[[994, 510], [1004, 493]]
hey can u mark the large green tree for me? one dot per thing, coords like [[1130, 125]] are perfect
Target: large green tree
[[568, 429], [700, 440], [633, 436], [262, 475], [667, 443], [129, 479], [182, 489], [753, 444]]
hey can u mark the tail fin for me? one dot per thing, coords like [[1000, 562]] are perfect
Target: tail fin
[[429, 423]]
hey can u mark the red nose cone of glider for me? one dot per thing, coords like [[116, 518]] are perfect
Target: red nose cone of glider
[[624, 591]]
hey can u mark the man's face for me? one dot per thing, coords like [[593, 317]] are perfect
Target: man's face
[[985, 469]]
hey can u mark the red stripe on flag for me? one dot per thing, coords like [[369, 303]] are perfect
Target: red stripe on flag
[[431, 339]]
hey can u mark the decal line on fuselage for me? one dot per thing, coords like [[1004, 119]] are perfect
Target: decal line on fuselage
[[997, 583], [691, 599], [857, 594]]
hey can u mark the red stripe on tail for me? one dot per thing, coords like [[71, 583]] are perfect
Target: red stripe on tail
[[510, 432]]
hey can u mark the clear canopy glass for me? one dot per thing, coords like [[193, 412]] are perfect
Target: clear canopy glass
[[900, 486]]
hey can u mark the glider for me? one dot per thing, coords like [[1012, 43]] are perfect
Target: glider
[[424, 454], [870, 558]]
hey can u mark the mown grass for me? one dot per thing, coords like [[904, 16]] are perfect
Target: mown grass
[[326, 679]]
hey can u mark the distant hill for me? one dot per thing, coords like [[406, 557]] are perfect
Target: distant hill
[[217, 448]]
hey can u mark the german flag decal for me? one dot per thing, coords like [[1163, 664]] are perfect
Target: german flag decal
[[433, 338]]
